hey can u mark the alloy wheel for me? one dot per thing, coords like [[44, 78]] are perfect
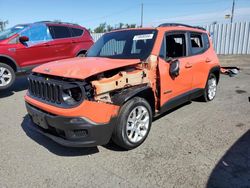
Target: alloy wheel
[[5, 76], [137, 124]]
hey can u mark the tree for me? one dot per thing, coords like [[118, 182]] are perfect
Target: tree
[[101, 28], [109, 28], [130, 25], [120, 25]]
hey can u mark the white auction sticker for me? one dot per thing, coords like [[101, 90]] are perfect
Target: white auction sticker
[[143, 37]]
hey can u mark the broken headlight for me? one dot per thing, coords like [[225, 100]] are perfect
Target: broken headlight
[[72, 96]]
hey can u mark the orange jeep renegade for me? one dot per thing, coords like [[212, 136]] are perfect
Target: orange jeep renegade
[[127, 77]]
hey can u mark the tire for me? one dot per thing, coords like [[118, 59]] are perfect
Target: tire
[[7, 76], [210, 89], [81, 55], [131, 131]]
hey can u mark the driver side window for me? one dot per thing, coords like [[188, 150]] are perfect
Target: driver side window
[[174, 46], [37, 33]]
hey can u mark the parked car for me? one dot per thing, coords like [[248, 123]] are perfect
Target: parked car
[[128, 77], [25, 46]]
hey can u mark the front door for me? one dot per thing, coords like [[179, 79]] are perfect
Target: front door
[[174, 47], [38, 49]]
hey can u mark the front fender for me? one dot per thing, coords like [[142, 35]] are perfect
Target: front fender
[[127, 94]]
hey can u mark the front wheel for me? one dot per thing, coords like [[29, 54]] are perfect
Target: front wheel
[[7, 76], [134, 123], [211, 88]]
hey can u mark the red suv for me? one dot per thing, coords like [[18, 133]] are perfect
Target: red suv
[[25, 46]]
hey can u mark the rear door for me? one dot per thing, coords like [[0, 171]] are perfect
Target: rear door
[[175, 46], [199, 45], [76, 35], [62, 41]]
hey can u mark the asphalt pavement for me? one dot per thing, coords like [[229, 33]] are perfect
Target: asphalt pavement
[[196, 145]]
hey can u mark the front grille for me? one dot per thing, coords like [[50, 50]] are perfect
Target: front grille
[[51, 89], [45, 90]]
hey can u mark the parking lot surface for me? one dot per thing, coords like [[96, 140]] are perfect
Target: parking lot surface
[[197, 145]]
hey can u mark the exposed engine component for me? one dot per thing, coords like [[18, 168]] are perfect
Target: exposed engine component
[[120, 80], [104, 98]]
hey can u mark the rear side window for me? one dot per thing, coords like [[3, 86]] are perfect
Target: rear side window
[[59, 32], [206, 41], [197, 45], [76, 32]]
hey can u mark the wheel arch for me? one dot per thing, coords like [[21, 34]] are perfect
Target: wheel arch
[[9, 61], [216, 71], [82, 51], [144, 92]]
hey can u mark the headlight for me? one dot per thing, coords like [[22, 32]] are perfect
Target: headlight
[[72, 96]]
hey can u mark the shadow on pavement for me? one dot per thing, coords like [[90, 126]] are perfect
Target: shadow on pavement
[[170, 111], [20, 84], [53, 146], [233, 169]]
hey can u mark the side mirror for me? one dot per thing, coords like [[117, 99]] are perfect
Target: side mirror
[[174, 69], [23, 39]]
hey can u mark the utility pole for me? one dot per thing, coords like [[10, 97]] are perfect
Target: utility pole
[[3, 24], [142, 15], [232, 13]]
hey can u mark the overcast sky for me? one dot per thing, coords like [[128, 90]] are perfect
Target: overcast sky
[[90, 13]]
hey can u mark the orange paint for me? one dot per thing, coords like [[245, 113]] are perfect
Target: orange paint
[[97, 112], [193, 74]]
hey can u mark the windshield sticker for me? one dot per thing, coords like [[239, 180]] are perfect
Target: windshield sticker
[[143, 37]]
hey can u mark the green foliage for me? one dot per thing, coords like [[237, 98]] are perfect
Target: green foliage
[[104, 27], [101, 28]]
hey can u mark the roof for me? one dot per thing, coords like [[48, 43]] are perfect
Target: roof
[[58, 22], [180, 25], [164, 25]]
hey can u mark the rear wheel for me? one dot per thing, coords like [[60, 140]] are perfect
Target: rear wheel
[[134, 123], [211, 88], [7, 76], [82, 54]]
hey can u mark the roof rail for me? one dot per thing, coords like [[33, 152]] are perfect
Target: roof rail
[[179, 24], [56, 22]]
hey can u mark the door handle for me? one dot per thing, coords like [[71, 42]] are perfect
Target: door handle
[[208, 60], [188, 65], [46, 44]]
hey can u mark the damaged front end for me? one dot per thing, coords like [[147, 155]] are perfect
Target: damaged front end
[[119, 85], [83, 112], [107, 91]]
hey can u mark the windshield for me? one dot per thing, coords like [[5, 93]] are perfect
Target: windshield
[[11, 31], [127, 44]]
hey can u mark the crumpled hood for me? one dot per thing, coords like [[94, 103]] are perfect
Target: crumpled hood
[[81, 68]]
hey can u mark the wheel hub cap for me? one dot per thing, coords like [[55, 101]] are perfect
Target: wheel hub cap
[[137, 124], [212, 88], [5, 76]]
